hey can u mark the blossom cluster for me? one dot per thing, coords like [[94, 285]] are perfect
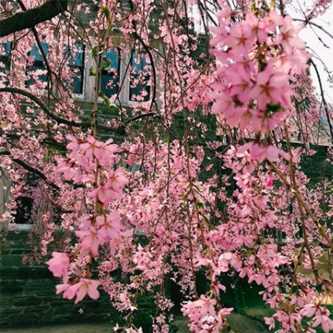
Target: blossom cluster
[[92, 164], [200, 200], [203, 315], [257, 60]]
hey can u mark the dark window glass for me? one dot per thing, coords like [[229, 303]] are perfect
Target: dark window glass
[[38, 62], [76, 63], [140, 76], [110, 72], [4, 56], [24, 210]]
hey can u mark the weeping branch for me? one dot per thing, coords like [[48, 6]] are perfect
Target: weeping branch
[[323, 98], [42, 105], [50, 114], [31, 17], [84, 125], [39, 44], [30, 169]]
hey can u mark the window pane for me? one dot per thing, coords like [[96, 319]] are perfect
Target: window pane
[[78, 81], [4, 56], [110, 73], [76, 62], [140, 76], [76, 55], [36, 52], [23, 213], [6, 49], [38, 63]]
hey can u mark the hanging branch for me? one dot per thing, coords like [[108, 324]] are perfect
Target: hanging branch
[[41, 104], [59, 120], [32, 17], [151, 59], [30, 169], [323, 98], [119, 130], [39, 44]]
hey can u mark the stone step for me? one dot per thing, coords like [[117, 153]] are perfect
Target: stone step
[[14, 250], [24, 272], [17, 235], [10, 260]]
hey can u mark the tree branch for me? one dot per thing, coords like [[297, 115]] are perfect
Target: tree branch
[[30, 169], [41, 105], [34, 31], [119, 130], [32, 17], [323, 98], [140, 116]]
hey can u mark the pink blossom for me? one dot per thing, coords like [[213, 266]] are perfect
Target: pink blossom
[[118, 179], [69, 171], [104, 193], [80, 290], [73, 145], [112, 189], [288, 35], [59, 264], [90, 241], [241, 38], [240, 82], [260, 153], [271, 88], [324, 320], [110, 226], [103, 151], [269, 180]]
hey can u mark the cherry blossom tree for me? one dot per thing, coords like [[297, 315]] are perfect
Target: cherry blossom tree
[[198, 172]]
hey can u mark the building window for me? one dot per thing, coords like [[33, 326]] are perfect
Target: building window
[[139, 78], [4, 56], [76, 64], [23, 214], [38, 64], [110, 72]]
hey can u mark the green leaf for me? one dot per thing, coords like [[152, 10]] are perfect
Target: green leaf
[[46, 156], [322, 232], [94, 52], [200, 205], [113, 107], [106, 11], [105, 64], [92, 71], [274, 107], [206, 220]]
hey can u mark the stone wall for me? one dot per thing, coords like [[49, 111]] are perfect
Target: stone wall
[[316, 167], [28, 292]]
